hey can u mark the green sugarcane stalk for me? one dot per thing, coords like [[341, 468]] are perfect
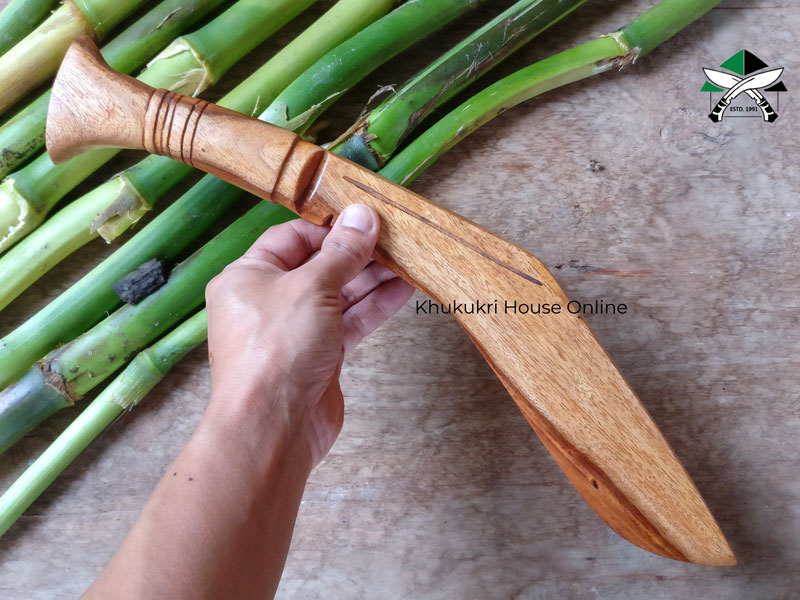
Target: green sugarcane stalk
[[37, 56], [343, 67], [187, 66], [378, 135], [23, 135], [122, 394], [91, 298], [115, 206], [195, 62], [44, 248], [341, 22], [67, 373], [615, 50], [19, 18]]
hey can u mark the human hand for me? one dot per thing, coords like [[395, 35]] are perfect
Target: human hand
[[282, 317]]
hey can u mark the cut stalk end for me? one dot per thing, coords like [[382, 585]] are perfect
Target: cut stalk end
[[17, 216], [180, 68], [48, 244], [123, 212]]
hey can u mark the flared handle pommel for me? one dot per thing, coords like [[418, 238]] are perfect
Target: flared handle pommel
[[553, 367], [93, 106]]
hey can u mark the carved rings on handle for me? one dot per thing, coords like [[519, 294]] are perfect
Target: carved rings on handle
[[171, 124]]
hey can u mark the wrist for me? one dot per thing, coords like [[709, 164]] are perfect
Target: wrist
[[257, 422]]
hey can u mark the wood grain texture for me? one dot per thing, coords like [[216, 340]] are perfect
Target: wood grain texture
[[436, 487], [561, 378]]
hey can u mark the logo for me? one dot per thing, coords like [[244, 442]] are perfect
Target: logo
[[744, 83]]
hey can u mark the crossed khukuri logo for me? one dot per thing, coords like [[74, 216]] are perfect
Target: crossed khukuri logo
[[744, 76]]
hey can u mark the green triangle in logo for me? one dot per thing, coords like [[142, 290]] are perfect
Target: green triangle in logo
[[735, 63], [710, 87]]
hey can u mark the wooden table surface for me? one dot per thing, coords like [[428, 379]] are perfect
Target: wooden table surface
[[437, 487]]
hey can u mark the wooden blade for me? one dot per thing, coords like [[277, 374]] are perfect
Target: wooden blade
[[556, 371]]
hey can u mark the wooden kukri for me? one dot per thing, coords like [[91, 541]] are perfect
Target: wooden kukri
[[560, 377]]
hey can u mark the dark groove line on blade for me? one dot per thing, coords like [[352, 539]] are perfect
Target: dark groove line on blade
[[440, 229]]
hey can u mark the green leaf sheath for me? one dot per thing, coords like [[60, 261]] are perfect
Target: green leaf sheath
[[19, 18], [79, 366], [139, 188], [381, 132], [36, 57], [31, 192], [127, 389], [615, 50], [88, 300], [23, 135], [336, 72]]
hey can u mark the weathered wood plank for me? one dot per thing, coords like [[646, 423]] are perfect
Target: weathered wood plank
[[437, 488]]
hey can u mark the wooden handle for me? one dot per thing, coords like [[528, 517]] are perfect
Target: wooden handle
[[554, 368]]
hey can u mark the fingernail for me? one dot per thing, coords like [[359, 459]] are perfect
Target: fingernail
[[356, 216]]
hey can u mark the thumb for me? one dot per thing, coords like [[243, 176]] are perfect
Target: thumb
[[347, 249]]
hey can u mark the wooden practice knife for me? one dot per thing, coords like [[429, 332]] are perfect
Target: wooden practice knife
[[561, 378]]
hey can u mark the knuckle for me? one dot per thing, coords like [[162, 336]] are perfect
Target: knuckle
[[360, 325], [214, 286], [348, 295], [384, 308]]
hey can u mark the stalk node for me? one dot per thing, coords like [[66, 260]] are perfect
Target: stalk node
[[183, 69], [628, 56], [56, 381], [355, 145]]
